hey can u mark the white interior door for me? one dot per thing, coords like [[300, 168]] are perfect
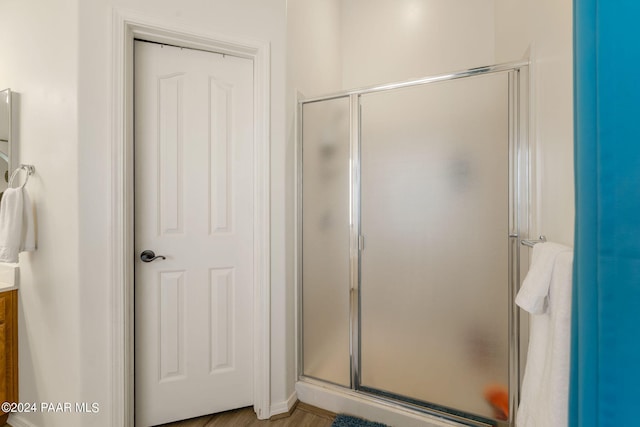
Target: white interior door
[[194, 206]]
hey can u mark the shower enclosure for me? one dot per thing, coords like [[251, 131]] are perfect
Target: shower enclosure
[[412, 199]]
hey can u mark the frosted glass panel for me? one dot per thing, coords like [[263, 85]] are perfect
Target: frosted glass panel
[[325, 237], [434, 270]]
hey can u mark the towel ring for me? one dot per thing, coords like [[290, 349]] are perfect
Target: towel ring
[[29, 169]]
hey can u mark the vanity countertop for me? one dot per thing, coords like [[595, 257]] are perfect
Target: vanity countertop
[[8, 277]]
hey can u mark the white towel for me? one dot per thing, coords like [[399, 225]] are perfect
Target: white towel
[[16, 224], [545, 388], [535, 288]]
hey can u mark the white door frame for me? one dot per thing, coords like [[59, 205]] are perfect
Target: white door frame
[[126, 27]]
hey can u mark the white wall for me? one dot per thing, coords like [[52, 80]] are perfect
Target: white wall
[[57, 54], [314, 46], [38, 41], [344, 44], [393, 40], [546, 26]]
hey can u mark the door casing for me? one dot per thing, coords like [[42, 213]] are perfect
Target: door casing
[[127, 27]]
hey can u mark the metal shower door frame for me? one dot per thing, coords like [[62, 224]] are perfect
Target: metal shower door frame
[[518, 228]]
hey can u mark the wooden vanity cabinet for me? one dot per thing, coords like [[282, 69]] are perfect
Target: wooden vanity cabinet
[[8, 349]]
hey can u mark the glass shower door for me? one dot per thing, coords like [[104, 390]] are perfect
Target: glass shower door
[[434, 308], [325, 227]]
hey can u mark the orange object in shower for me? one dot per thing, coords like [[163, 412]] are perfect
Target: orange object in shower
[[498, 396]]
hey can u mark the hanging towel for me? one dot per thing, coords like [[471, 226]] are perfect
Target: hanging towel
[[16, 224], [534, 292], [547, 291]]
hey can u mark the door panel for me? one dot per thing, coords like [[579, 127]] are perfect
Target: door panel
[[325, 247], [193, 205], [435, 267]]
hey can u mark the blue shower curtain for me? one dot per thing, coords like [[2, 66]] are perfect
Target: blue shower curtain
[[605, 371]]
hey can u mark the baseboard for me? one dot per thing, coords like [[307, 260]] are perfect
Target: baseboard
[[285, 414], [17, 421], [284, 409]]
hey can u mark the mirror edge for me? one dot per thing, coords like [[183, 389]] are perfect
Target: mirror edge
[[10, 127]]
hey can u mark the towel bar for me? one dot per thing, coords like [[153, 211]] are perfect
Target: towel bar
[[531, 242]]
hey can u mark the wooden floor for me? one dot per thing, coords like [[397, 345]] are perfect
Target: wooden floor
[[302, 416]]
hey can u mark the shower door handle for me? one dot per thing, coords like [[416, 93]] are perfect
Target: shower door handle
[[148, 256]]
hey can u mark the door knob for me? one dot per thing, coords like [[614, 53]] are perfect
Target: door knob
[[148, 256]]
